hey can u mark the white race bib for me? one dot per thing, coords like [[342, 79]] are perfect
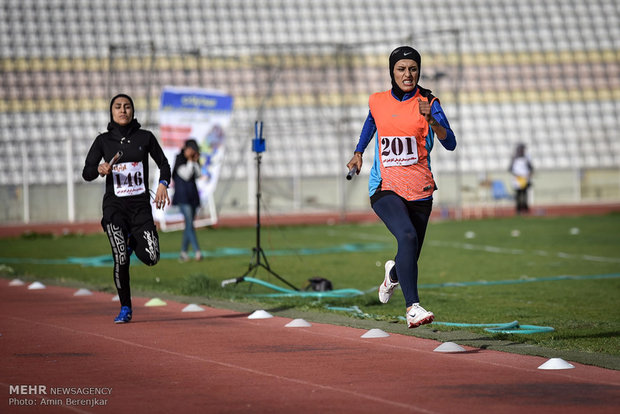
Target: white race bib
[[128, 179], [398, 151]]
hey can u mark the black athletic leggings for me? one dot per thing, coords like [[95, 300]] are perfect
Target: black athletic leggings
[[143, 240], [521, 200], [407, 221]]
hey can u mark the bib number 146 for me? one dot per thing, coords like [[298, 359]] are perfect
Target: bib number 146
[[128, 179]]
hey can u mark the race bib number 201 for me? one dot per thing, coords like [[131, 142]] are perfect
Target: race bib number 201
[[128, 179], [398, 151]]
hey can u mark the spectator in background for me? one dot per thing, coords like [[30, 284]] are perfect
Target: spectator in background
[[406, 119], [127, 214], [186, 171], [521, 170]]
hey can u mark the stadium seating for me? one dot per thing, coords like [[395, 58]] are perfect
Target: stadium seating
[[543, 73]]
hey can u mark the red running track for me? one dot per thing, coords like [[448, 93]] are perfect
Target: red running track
[[219, 361]]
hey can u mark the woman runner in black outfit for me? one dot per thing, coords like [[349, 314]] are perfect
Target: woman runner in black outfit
[[127, 217]]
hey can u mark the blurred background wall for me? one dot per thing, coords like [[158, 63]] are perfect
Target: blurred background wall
[[543, 73]]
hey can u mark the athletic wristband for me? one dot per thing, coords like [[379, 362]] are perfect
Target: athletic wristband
[[164, 182]]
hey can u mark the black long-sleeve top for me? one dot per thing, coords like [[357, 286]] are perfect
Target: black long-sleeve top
[[136, 145]]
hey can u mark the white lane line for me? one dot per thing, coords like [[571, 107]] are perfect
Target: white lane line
[[504, 250], [235, 367]]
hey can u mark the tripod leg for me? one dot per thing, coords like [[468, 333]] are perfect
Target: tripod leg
[[258, 255], [266, 267], [266, 263], [255, 260]]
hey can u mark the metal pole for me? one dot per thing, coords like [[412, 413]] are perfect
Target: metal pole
[[457, 99], [111, 50], [252, 190], [149, 86], [25, 183], [344, 63], [258, 196], [70, 183]]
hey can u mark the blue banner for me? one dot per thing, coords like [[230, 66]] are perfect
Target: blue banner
[[191, 99]]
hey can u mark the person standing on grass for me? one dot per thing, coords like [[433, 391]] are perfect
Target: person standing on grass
[[127, 217], [184, 174], [406, 120], [521, 170]]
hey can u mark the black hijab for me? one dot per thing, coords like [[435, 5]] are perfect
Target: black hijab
[[123, 129], [403, 52]]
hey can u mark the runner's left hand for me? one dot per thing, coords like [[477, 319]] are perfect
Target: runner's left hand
[[161, 197]]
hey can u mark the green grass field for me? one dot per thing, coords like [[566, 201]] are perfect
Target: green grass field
[[498, 274]]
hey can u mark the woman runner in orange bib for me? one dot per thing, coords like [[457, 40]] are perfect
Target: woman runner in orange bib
[[406, 120]]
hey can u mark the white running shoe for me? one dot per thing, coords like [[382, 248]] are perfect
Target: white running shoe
[[417, 316], [387, 287]]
